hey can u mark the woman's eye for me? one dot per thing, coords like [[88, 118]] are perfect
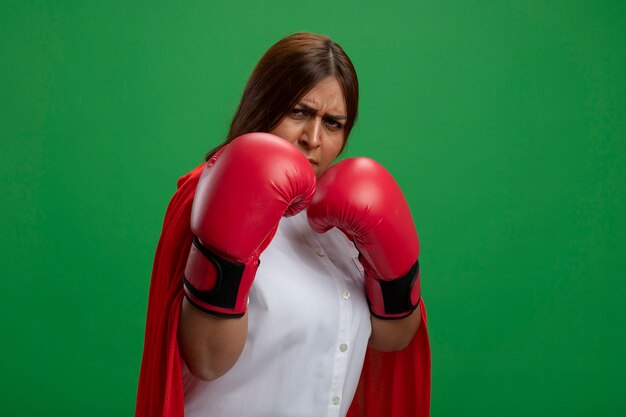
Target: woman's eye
[[333, 124], [297, 113]]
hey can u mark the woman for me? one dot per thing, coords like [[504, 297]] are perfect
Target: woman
[[297, 346]]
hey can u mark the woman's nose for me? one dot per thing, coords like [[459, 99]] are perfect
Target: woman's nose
[[310, 137]]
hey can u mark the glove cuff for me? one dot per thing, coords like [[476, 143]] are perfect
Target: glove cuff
[[216, 285], [394, 299]]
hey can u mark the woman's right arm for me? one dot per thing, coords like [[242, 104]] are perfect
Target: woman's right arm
[[208, 344], [237, 206]]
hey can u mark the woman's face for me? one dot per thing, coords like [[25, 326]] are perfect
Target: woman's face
[[315, 125]]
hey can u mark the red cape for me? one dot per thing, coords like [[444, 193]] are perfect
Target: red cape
[[392, 384]]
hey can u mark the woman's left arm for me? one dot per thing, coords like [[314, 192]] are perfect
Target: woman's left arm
[[394, 335]]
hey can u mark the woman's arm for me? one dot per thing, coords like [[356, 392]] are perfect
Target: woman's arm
[[210, 345], [394, 335], [231, 228]]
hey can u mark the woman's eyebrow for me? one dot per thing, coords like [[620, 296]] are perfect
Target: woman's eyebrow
[[314, 111]]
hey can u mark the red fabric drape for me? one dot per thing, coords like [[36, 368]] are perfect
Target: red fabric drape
[[396, 384], [392, 384]]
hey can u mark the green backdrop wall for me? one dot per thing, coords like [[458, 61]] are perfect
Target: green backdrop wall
[[503, 121]]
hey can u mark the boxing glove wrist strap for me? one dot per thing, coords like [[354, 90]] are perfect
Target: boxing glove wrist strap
[[216, 285], [394, 299]]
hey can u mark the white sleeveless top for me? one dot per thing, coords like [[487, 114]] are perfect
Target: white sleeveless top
[[308, 328]]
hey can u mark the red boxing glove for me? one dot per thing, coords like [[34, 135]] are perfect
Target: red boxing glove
[[361, 198], [241, 195]]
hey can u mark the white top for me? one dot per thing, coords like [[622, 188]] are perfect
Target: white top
[[308, 328]]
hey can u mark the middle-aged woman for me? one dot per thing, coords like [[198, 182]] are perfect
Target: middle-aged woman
[[295, 334]]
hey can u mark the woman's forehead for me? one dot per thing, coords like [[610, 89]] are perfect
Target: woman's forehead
[[326, 96]]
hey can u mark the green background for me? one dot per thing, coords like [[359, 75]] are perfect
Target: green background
[[504, 122]]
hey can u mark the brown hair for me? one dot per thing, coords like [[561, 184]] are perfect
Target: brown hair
[[285, 73]]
